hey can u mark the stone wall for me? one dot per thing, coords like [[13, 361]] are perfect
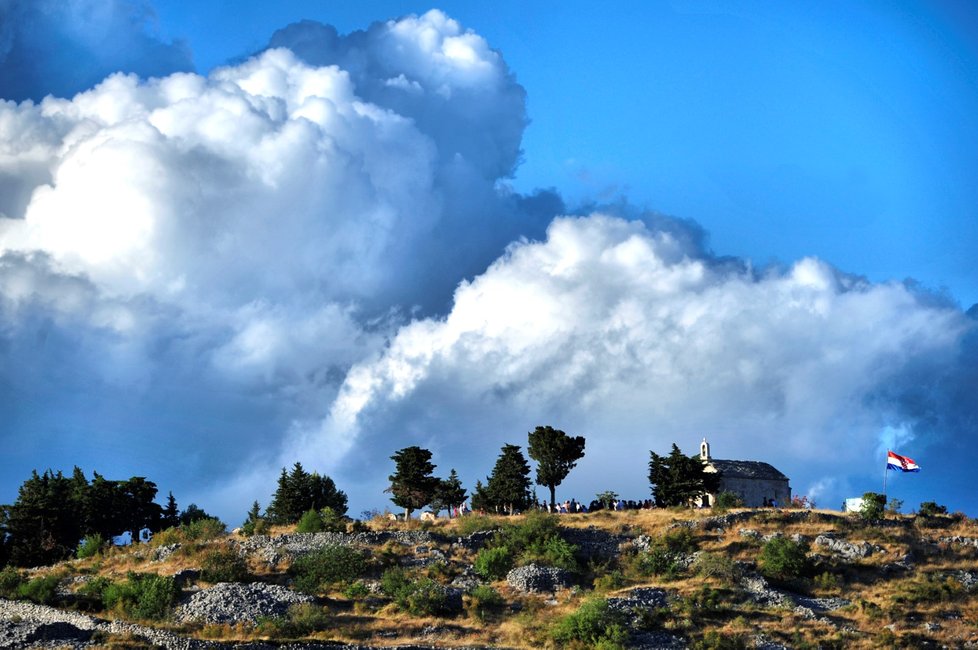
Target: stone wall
[[756, 491]]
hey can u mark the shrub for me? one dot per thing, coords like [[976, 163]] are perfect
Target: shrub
[[201, 530], [356, 590], [493, 563], [783, 559], [593, 625], [144, 596], [302, 620], [715, 640], [828, 581], [92, 593], [484, 603], [680, 540], [726, 500], [310, 522], [932, 589], [328, 566], [931, 509], [90, 546], [475, 524], [223, 565], [874, 505], [610, 581], [42, 590], [423, 597], [660, 561], [10, 581], [717, 566]]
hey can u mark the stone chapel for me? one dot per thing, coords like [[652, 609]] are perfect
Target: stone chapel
[[758, 484]]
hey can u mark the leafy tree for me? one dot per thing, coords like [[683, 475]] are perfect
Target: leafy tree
[[192, 514], [556, 454], [607, 499], [678, 479], [874, 505], [171, 514], [412, 484], [931, 509], [449, 494], [508, 487]]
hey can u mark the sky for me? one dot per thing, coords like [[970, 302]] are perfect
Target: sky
[[236, 236]]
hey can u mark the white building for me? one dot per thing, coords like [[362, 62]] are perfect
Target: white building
[[758, 484]]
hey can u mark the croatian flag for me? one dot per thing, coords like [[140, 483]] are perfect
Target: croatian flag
[[902, 463]]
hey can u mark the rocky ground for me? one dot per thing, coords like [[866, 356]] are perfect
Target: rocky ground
[[896, 584]]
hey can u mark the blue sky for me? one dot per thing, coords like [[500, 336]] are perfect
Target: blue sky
[[207, 278]]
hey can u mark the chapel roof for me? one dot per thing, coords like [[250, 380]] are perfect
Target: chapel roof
[[747, 469]]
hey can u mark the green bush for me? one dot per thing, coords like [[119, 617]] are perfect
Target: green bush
[[201, 530], [142, 596], [223, 565], [302, 620], [310, 522], [423, 597], [783, 559], [92, 593], [334, 564], [874, 505], [828, 581], [356, 590], [680, 540], [610, 581], [493, 563], [42, 590], [932, 589], [931, 509], [717, 566], [726, 500], [716, 640], [475, 524], [10, 581], [90, 546], [593, 625], [660, 561], [484, 603], [536, 539]]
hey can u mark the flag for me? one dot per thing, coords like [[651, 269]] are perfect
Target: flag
[[902, 463]]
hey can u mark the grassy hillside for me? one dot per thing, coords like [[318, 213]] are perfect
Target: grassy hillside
[[790, 578]]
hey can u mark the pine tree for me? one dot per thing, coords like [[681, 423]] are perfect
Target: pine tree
[[412, 484], [43, 525], [678, 480], [326, 495], [449, 495], [556, 454], [252, 519], [171, 514], [508, 487], [298, 492]]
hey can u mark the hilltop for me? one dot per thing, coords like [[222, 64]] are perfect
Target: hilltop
[[761, 578]]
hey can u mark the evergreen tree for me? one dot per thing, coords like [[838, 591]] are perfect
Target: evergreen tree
[[252, 519], [171, 514], [4, 541], [299, 491], [140, 512], [556, 454], [508, 487], [449, 494], [412, 484], [42, 524], [480, 498], [678, 480], [193, 513]]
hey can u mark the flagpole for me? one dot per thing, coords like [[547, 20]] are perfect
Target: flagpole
[[886, 467]]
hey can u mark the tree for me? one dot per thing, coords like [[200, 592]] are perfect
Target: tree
[[43, 523], [874, 506], [412, 484], [449, 494], [193, 513], [508, 487], [140, 512], [678, 480], [556, 454], [171, 514], [299, 492]]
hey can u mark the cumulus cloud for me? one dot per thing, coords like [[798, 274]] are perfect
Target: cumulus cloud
[[203, 258], [61, 47], [635, 338]]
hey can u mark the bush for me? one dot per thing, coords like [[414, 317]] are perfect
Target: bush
[[10, 581], [726, 500], [316, 572], [90, 546], [494, 563], [874, 505], [715, 640], [475, 524], [310, 522], [931, 509], [717, 566], [92, 593], [783, 559], [356, 590], [201, 530], [42, 590], [145, 596], [302, 620], [593, 625], [484, 603], [660, 561], [610, 581], [423, 597], [932, 589], [223, 565]]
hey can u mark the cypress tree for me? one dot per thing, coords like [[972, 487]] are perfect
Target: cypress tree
[[508, 487], [412, 484], [556, 454]]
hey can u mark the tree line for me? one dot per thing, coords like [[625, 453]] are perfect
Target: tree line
[[54, 512]]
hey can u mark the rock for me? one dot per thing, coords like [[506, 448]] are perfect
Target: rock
[[592, 542], [969, 579], [637, 600], [234, 602], [475, 541], [846, 550], [749, 533], [534, 578], [161, 553]]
